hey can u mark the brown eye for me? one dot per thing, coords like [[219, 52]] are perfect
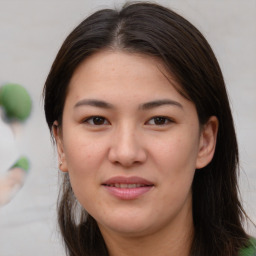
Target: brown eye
[[159, 120], [96, 120]]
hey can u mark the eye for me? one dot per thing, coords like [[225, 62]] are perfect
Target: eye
[[159, 120], [96, 120]]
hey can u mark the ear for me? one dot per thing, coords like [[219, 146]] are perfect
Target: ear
[[207, 142], [56, 130]]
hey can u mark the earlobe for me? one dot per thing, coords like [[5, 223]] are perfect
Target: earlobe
[[207, 142], [59, 144]]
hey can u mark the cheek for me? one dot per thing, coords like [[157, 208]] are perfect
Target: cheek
[[82, 164], [178, 153], [82, 153], [175, 160], [84, 157]]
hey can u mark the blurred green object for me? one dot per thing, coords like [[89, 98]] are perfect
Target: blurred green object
[[22, 163], [250, 250], [15, 101]]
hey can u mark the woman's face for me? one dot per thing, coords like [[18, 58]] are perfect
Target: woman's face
[[130, 143]]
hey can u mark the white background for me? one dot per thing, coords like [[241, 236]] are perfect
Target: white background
[[31, 33]]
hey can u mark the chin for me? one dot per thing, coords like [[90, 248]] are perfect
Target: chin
[[129, 226]]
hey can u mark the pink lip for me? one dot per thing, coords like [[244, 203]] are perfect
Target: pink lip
[[127, 193], [128, 180]]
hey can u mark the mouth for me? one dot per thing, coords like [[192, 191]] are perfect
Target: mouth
[[123, 185], [127, 188], [127, 182]]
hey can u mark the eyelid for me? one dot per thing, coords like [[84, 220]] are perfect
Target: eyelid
[[168, 120], [89, 120]]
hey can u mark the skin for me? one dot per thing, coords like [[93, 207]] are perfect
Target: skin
[[128, 140]]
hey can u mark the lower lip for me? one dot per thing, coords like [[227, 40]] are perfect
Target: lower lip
[[128, 193]]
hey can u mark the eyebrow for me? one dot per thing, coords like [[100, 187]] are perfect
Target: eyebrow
[[94, 103], [145, 106], [158, 103]]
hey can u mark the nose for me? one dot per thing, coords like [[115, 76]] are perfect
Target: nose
[[127, 148]]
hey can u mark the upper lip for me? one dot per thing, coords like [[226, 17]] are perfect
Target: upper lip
[[127, 180]]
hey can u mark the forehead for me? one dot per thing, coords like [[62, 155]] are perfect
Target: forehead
[[117, 70]]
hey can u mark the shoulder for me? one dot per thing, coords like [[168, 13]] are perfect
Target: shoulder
[[250, 250]]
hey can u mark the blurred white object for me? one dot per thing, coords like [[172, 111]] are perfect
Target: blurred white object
[[8, 149]]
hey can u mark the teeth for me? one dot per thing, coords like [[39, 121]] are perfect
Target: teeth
[[131, 185], [120, 185]]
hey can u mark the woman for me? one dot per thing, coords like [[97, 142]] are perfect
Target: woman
[[137, 105]]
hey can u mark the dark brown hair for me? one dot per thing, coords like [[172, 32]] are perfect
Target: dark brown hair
[[154, 30]]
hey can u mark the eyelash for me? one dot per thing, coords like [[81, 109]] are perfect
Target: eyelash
[[163, 119], [92, 119], [100, 120]]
